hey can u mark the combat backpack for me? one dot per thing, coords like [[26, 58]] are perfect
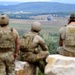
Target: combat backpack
[[6, 38], [26, 42]]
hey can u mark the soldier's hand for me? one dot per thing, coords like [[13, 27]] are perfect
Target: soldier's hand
[[15, 55]]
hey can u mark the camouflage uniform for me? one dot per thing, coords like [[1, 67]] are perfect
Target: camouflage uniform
[[35, 55], [7, 63], [68, 48], [7, 66]]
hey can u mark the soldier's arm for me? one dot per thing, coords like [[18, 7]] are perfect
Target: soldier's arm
[[60, 41], [42, 44], [61, 36], [17, 43]]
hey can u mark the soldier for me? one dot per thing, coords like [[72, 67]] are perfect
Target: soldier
[[67, 38], [9, 46], [32, 53]]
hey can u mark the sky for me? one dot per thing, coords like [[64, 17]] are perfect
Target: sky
[[61, 1]]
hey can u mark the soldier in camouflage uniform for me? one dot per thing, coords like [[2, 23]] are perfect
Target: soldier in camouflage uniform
[[67, 38], [9, 46], [34, 54]]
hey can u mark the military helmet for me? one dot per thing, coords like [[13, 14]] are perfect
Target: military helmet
[[4, 20], [36, 26], [72, 17]]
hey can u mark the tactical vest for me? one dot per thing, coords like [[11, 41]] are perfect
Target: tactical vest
[[6, 38], [70, 35]]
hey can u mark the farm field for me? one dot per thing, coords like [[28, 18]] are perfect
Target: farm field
[[47, 26]]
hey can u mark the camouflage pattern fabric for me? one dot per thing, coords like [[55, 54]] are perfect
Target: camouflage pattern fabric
[[65, 52], [32, 57], [70, 36], [35, 58], [6, 38], [62, 34], [2, 68], [26, 42], [7, 66], [36, 52]]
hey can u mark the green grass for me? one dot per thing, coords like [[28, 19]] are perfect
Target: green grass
[[26, 27]]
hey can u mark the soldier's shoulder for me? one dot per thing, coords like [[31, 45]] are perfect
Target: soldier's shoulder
[[15, 31], [39, 37], [64, 26], [62, 29]]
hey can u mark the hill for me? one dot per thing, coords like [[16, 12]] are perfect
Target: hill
[[39, 7]]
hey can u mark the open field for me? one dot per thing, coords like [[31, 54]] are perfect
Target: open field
[[47, 26]]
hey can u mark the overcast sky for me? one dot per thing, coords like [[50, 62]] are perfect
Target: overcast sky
[[61, 1]]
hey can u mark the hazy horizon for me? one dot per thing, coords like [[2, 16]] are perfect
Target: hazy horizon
[[60, 1]]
